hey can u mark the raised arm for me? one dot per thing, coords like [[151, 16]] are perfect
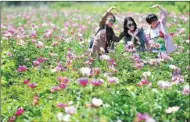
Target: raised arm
[[104, 16], [164, 13]]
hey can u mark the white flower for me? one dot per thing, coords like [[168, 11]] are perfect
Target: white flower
[[97, 102], [146, 74], [172, 109], [85, 71], [70, 110], [172, 67], [66, 118], [105, 57], [150, 119], [164, 84], [60, 117], [186, 90], [187, 41]]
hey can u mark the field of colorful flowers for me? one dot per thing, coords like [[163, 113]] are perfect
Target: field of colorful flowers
[[46, 74]]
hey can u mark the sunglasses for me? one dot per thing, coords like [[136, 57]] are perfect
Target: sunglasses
[[131, 24], [111, 20]]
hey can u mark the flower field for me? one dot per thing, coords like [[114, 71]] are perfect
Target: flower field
[[47, 75]]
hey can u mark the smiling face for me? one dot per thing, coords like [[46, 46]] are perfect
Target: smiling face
[[130, 25], [110, 20]]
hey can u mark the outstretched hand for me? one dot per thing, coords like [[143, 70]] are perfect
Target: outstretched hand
[[155, 6], [112, 7]]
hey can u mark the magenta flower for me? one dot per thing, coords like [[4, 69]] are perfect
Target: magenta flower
[[97, 82], [19, 111], [26, 81], [62, 86], [83, 81], [22, 68], [12, 119], [61, 105], [41, 59], [32, 85]]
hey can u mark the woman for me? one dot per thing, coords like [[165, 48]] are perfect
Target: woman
[[133, 35], [157, 33], [105, 36]]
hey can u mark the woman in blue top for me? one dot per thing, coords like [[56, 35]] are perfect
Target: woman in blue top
[[134, 35]]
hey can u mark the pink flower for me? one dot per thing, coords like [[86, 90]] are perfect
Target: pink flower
[[139, 65], [36, 63], [97, 82], [26, 81], [19, 111], [22, 69], [142, 117], [54, 89], [186, 90], [48, 34], [61, 105], [70, 110], [12, 119], [113, 79], [112, 62], [83, 81], [32, 85]]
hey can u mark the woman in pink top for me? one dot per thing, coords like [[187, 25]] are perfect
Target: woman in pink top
[[158, 31]]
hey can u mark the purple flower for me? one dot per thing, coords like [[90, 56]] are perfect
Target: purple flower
[[97, 82], [83, 81], [186, 90]]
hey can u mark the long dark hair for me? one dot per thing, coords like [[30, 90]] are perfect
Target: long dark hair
[[126, 28], [109, 32]]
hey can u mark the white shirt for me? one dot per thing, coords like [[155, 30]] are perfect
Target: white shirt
[[154, 33]]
